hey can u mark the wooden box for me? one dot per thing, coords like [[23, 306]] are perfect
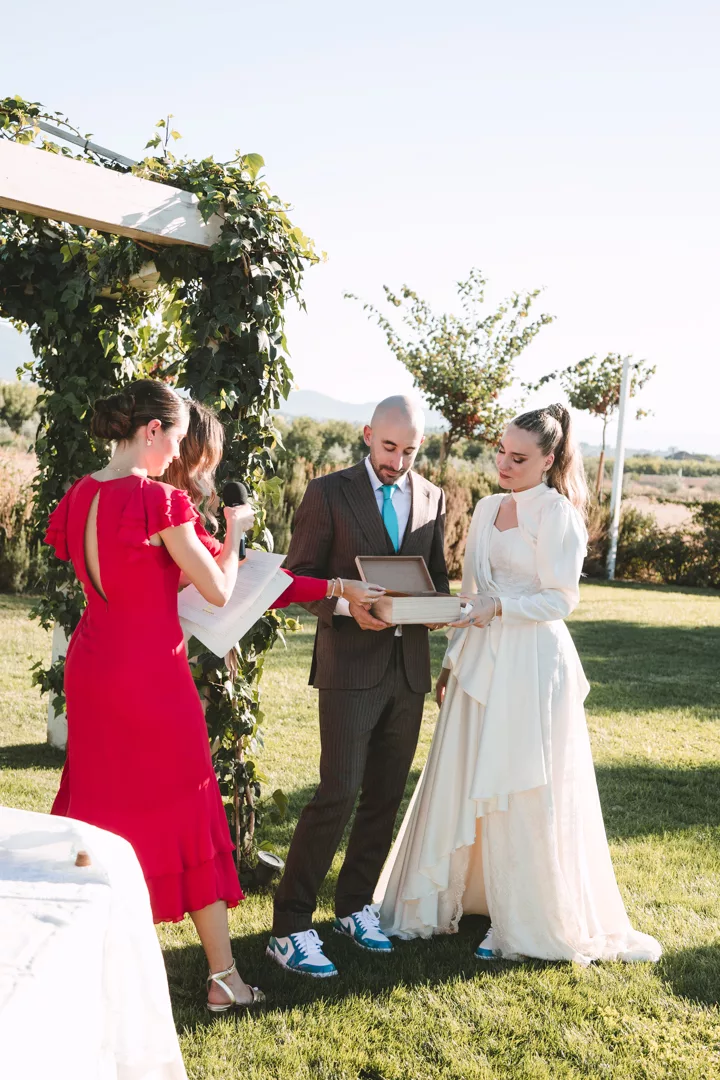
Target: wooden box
[[411, 597]]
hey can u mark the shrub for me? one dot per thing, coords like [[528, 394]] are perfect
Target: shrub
[[463, 490], [328, 442], [295, 474], [19, 546], [18, 404], [309, 448], [659, 466], [665, 556], [634, 528]]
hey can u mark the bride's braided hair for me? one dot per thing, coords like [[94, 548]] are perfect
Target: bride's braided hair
[[552, 427]]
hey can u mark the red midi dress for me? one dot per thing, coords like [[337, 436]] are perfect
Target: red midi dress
[[138, 759]]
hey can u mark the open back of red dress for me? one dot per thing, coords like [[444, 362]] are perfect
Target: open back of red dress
[[138, 755]]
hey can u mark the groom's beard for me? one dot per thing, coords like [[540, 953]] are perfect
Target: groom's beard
[[388, 476]]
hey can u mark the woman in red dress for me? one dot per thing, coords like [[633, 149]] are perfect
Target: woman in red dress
[[138, 758]]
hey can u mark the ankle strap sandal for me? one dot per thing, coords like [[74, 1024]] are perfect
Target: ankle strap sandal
[[218, 977]]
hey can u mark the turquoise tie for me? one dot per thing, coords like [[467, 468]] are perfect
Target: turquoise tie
[[389, 516]]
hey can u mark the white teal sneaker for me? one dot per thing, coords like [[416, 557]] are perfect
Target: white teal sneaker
[[363, 928], [485, 950], [302, 953]]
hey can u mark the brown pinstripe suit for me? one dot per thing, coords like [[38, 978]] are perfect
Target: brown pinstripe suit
[[372, 686]]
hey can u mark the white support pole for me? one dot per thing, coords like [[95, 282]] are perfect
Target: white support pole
[[57, 722], [618, 467]]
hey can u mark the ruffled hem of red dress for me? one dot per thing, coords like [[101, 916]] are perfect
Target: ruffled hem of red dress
[[57, 538], [172, 896]]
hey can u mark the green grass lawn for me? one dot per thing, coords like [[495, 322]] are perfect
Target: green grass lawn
[[653, 658]]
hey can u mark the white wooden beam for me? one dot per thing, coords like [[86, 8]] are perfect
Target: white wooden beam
[[53, 186]]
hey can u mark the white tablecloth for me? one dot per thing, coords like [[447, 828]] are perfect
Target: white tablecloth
[[83, 989]]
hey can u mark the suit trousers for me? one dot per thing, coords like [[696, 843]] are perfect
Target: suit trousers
[[368, 740]]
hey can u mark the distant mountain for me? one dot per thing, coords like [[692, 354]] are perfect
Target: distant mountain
[[322, 407]]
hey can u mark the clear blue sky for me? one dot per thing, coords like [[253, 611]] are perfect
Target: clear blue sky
[[556, 144]]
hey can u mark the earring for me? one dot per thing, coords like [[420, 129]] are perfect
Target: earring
[[149, 442]]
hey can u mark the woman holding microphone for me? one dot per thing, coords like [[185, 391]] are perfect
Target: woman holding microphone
[[139, 761], [138, 757]]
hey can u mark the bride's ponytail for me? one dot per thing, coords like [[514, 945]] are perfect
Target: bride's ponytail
[[553, 428]]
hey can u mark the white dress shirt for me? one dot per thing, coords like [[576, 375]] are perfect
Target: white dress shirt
[[402, 502]]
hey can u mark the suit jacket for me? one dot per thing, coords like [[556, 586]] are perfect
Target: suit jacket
[[338, 519]]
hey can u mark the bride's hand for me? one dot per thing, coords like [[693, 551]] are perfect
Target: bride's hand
[[361, 592], [483, 609]]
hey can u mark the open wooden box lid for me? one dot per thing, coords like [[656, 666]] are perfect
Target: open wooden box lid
[[399, 575]]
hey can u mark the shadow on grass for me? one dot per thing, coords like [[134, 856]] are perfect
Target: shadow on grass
[[633, 667], [639, 799], [31, 756], [693, 973], [442, 959]]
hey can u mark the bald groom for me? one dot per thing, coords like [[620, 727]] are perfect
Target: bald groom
[[372, 680]]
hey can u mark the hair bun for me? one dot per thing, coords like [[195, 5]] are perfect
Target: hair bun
[[112, 418]]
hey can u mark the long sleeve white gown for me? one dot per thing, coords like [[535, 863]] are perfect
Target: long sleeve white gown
[[506, 818]]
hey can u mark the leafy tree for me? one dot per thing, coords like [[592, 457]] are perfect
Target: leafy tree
[[432, 448], [594, 386], [322, 442], [461, 363], [344, 438], [18, 403], [304, 439]]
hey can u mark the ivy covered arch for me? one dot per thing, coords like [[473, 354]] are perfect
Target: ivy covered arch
[[102, 310]]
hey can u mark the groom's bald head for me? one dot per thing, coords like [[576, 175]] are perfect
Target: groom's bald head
[[394, 435]]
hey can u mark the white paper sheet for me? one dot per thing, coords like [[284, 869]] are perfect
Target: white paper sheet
[[259, 583]]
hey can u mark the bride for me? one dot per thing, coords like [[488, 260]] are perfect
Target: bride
[[506, 820]]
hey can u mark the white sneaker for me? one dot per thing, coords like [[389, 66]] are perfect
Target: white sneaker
[[302, 953], [363, 928], [486, 949]]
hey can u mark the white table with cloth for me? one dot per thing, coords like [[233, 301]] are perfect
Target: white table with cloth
[[83, 989]]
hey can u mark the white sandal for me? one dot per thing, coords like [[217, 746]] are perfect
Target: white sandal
[[218, 977]]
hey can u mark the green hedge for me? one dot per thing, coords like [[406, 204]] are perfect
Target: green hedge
[[657, 466]]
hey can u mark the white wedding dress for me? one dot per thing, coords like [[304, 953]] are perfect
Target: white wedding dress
[[506, 819]]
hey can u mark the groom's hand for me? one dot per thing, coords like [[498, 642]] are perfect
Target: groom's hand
[[365, 620]]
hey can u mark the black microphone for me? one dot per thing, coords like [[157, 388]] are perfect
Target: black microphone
[[236, 494]]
